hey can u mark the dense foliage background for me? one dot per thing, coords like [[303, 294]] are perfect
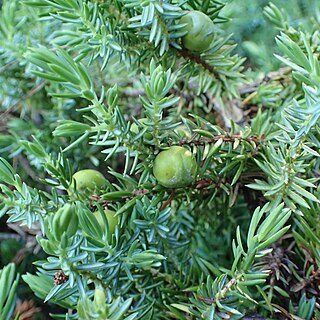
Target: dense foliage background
[[240, 242]]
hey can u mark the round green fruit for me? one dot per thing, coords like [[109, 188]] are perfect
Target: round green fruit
[[175, 167], [200, 31], [136, 129], [88, 179], [112, 219]]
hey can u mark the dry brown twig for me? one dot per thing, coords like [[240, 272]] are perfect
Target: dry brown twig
[[26, 310]]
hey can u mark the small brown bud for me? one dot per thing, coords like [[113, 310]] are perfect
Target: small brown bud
[[60, 277]]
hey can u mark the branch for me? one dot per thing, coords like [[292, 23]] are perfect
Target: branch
[[223, 292], [188, 55]]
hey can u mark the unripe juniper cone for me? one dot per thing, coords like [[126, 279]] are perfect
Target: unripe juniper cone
[[88, 179], [200, 31], [175, 167]]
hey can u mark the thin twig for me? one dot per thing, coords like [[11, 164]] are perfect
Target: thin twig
[[8, 65], [271, 76], [168, 200], [25, 97], [248, 98], [225, 138], [23, 161], [7, 235]]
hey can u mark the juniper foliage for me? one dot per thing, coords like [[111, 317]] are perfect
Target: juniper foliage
[[242, 240]]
